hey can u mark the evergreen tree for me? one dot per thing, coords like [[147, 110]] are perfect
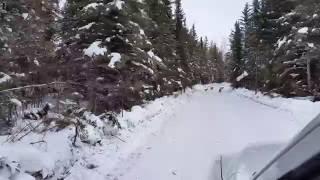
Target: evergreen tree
[[277, 53], [161, 33], [180, 34], [193, 42], [216, 57], [26, 37], [246, 27], [236, 63], [248, 37]]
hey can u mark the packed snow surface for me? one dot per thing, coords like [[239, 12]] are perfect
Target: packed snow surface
[[172, 138]]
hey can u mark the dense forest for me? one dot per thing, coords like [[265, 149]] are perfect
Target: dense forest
[[275, 47], [106, 55], [111, 55]]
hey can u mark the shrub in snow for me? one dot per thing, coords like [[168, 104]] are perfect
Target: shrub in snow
[[38, 114], [91, 128], [90, 135], [95, 127]]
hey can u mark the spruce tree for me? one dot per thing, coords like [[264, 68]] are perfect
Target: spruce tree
[[180, 34], [246, 27], [193, 42], [216, 57], [236, 63], [161, 32]]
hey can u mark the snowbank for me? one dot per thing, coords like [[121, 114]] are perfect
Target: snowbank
[[304, 110]]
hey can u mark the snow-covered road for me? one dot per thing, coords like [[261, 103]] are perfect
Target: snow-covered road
[[179, 137], [205, 126]]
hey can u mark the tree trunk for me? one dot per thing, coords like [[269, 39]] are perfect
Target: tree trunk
[[309, 74]]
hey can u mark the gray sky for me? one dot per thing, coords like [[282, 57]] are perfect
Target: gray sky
[[213, 18]]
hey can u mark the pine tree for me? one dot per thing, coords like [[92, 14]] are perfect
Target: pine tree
[[161, 32], [246, 27], [117, 29], [193, 42], [250, 41], [26, 37], [256, 15], [180, 34], [216, 57], [236, 63], [277, 56]]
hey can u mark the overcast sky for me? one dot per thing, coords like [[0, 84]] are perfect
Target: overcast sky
[[214, 18]]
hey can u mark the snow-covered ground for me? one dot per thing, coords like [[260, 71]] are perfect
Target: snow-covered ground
[[176, 137]]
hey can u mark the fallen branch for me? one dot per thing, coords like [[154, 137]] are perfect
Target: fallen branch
[[19, 139], [42, 141], [13, 136], [76, 134], [119, 138], [31, 86]]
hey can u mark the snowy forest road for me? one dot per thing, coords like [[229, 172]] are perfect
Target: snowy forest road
[[208, 125]]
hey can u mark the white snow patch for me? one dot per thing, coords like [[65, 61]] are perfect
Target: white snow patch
[[25, 15], [92, 5], [144, 66], [95, 49], [36, 62], [291, 14], [18, 74], [153, 56], [303, 30], [117, 3], [311, 45], [281, 42], [62, 4], [29, 158], [9, 29], [294, 75], [16, 102], [142, 32], [115, 57], [88, 26], [242, 76], [4, 77]]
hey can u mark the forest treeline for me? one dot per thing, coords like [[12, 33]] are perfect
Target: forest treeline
[[113, 54], [275, 47], [109, 54]]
